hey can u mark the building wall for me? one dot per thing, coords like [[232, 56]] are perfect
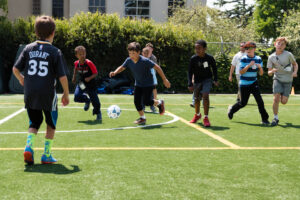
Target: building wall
[[15, 10], [158, 8]]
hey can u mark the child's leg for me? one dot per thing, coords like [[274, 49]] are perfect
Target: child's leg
[[95, 101], [138, 100], [260, 103], [80, 96]]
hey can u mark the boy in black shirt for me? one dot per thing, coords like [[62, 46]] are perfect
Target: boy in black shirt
[[203, 68], [86, 90], [42, 64]]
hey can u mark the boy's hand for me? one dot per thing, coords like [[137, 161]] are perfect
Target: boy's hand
[[87, 79], [111, 74], [167, 83], [230, 78], [295, 74], [74, 80], [252, 63], [191, 89], [258, 65], [216, 83], [65, 99]]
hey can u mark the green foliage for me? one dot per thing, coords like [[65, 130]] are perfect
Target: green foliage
[[269, 15], [240, 10], [3, 6]]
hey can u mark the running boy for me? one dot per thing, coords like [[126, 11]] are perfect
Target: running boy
[[283, 65], [250, 65], [42, 63], [86, 90], [146, 53], [200, 67], [140, 67]]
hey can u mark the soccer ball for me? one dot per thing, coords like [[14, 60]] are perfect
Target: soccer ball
[[113, 111]]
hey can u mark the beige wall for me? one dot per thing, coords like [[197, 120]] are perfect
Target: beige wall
[[46, 7], [159, 10], [19, 8], [77, 6], [115, 6]]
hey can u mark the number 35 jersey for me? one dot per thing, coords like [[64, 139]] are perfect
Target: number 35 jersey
[[42, 64]]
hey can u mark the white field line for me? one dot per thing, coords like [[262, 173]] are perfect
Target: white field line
[[216, 137], [175, 118], [152, 148], [11, 116]]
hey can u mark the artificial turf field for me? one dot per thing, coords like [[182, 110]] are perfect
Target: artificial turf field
[[167, 159]]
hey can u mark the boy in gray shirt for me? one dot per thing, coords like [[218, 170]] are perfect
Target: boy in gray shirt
[[284, 67]]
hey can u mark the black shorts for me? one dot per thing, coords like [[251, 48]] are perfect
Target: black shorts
[[36, 118]]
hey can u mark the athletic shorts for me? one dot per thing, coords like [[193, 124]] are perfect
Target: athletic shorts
[[282, 88], [202, 87], [36, 118]]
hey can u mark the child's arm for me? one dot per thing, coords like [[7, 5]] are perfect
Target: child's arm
[[87, 79], [65, 97], [18, 75], [162, 75], [295, 65], [74, 75], [117, 71]]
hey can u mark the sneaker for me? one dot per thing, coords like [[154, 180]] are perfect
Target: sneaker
[[274, 122], [87, 106], [48, 160], [161, 107], [140, 121], [195, 118], [192, 105], [28, 155], [206, 122], [265, 122], [153, 109], [229, 113], [99, 117]]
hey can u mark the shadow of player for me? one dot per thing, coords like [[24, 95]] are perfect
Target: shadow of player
[[51, 169]]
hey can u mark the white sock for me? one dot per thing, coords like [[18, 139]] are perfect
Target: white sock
[[198, 114], [206, 116], [143, 117], [275, 116], [159, 102]]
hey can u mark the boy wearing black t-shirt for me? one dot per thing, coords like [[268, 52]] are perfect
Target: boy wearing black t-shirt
[[86, 90], [141, 70], [42, 64]]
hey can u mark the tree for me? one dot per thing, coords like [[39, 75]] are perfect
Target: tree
[[241, 11], [269, 15], [3, 5]]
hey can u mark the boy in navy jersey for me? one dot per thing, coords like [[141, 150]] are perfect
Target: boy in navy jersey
[[86, 90], [141, 69], [42, 64], [249, 66]]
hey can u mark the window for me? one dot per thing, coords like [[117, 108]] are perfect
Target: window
[[36, 7], [97, 5], [173, 4], [58, 8], [137, 9]]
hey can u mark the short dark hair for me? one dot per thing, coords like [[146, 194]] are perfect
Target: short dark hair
[[201, 43], [149, 45], [250, 44], [79, 48], [134, 46], [44, 27]]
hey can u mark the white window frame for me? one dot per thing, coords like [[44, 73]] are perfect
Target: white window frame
[[137, 8], [101, 8]]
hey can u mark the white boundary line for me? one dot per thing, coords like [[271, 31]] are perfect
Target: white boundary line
[[11, 116], [175, 118], [151, 148], [214, 136]]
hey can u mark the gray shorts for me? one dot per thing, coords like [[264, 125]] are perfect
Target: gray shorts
[[202, 87], [282, 88]]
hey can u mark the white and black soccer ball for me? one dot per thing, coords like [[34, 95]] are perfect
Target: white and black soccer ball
[[113, 111]]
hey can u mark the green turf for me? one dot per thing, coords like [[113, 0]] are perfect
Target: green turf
[[155, 174]]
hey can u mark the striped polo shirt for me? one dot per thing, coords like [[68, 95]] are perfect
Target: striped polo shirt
[[250, 76]]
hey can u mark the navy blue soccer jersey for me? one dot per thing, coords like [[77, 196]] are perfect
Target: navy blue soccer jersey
[[42, 64], [141, 71]]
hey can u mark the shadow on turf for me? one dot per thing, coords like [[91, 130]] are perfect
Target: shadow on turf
[[215, 128], [90, 122], [51, 169], [251, 124]]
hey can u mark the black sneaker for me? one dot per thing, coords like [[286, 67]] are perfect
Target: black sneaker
[[87, 106], [192, 105], [274, 122], [265, 122], [140, 121], [229, 113], [161, 107]]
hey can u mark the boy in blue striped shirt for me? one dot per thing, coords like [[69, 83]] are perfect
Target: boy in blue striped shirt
[[249, 66]]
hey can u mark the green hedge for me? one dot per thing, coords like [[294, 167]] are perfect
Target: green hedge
[[106, 37]]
